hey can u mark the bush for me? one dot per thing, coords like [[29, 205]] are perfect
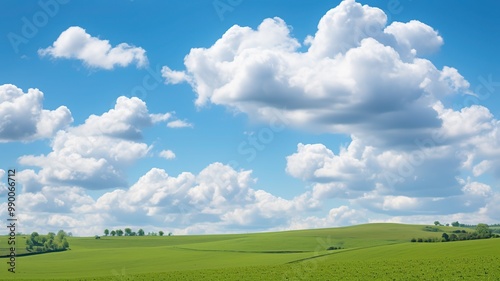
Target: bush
[[420, 240], [413, 240], [431, 229]]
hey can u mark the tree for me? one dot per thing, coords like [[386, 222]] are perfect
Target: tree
[[483, 230], [161, 233], [436, 223], [106, 232], [47, 243], [140, 232], [113, 233], [446, 237], [61, 233], [119, 232], [128, 231], [455, 224], [453, 237], [170, 234]]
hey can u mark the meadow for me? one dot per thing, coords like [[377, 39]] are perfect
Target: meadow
[[368, 252]]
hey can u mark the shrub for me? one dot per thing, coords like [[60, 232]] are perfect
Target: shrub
[[431, 229]]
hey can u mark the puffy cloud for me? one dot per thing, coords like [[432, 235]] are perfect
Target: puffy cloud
[[94, 155], [23, 117], [415, 35], [331, 87], [218, 196], [340, 216], [172, 76], [404, 181], [76, 43], [167, 154]]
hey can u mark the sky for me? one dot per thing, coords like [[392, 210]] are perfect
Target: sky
[[236, 116]]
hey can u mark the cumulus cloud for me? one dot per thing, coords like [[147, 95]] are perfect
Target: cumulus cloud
[[416, 36], [340, 216], [361, 76], [95, 154], [218, 196], [167, 154], [173, 76], [358, 75], [76, 43], [405, 181], [23, 117], [331, 87]]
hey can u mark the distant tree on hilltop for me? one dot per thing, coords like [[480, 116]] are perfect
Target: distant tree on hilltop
[[128, 231]]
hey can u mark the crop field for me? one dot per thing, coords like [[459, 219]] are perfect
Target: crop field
[[367, 252]]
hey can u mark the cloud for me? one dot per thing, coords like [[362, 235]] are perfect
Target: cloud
[[172, 76], [95, 154], [23, 117], [179, 124], [399, 180], [328, 84], [331, 87], [218, 197], [167, 154], [340, 216], [76, 43], [416, 36]]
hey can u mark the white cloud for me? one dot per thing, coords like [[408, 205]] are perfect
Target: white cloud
[[340, 216], [23, 117], [76, 43], [174, 77], [405, 181], [179, 124], [331, 87], [415, 35], [167, 154], [396, 167], [94, 155], [219, 197]]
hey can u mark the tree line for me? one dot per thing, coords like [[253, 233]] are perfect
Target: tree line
[[482, 231], [36, 243], [128, 232]]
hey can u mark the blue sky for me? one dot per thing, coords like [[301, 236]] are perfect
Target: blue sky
[[236, 116]]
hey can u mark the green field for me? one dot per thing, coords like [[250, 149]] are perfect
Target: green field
[[369, 252]]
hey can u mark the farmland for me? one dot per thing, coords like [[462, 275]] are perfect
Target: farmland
[[368, 252]]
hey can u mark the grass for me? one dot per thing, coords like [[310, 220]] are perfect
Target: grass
[[370, 252]]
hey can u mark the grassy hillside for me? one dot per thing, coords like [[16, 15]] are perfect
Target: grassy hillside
[[291, 255]]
